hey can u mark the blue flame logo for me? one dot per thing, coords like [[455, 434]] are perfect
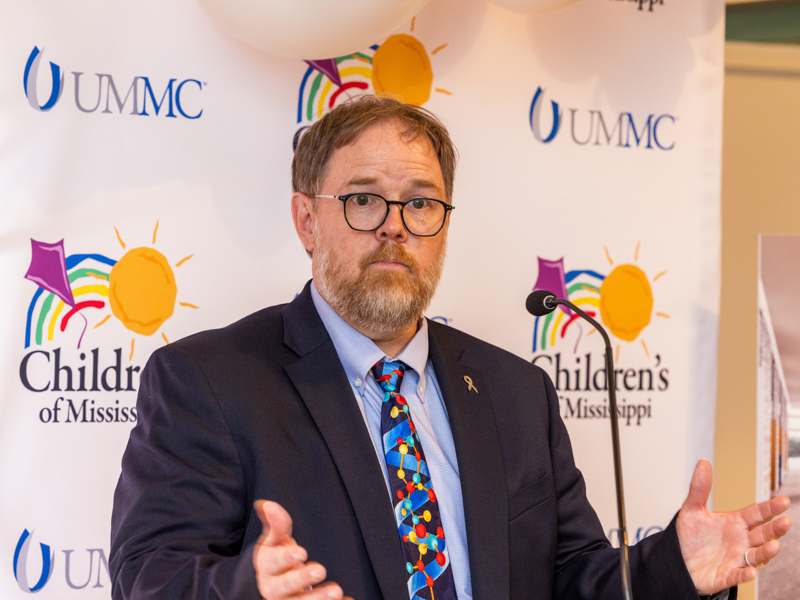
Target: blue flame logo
[[534, 118], [31, 71], [21, 563]]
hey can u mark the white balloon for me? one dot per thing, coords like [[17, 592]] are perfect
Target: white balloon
[[529, 7], [311, 29]]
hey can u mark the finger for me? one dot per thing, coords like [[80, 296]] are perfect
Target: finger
[[769, 531], [781, 526], [700, 488], [276, 523], [276, 560], [324, 591], [740, 576], [761, 555], [764, 511], [294, 581], [328, 591]]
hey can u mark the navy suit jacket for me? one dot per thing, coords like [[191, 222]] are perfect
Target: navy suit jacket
[[263, 409]]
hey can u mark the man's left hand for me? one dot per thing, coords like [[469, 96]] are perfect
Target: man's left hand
[[714, 544]]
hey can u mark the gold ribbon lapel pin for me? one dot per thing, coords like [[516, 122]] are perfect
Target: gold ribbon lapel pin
[[470, 386]]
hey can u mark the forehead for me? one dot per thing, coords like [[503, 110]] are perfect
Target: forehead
[[383, 154]]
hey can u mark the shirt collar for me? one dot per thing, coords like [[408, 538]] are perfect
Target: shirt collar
[[357, 352]]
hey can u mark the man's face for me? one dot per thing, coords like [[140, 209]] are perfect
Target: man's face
[[378, 281]]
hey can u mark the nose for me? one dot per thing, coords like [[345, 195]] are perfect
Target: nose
[[393, 227]]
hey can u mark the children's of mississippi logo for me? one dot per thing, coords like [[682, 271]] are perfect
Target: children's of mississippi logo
[[78, 293], [623, 301], [139, 289], [399, 66]]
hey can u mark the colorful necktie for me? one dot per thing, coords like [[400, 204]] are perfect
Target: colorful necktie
[[416, 508]]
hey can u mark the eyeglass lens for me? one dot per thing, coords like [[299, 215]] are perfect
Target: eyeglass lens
[[422, 216]]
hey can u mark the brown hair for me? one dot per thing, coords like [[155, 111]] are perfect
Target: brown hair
[[345, 123]]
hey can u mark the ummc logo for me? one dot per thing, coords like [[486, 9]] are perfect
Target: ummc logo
[[592, 127], [21, 564], [173, 102], [96, 569], [535, 120], [31, 71]]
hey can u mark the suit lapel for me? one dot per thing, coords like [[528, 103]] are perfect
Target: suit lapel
[[321, 382], [483, 482]]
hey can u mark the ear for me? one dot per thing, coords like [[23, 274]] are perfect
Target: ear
[[304, 219]]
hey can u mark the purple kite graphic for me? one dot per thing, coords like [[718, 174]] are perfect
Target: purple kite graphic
[[552, 279], [328, 67], [48, 270]]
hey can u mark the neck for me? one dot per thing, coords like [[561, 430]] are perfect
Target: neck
[[391, 343]]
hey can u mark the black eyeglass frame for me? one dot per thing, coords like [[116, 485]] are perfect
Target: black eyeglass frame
[[345, 197]]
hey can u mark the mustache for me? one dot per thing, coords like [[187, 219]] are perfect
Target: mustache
[[390, 252]]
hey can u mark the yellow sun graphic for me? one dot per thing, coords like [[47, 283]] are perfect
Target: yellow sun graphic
[[401, 66], [626, 301], [142, 290]]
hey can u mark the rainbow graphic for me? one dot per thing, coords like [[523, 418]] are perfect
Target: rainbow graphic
[[139, 289], [622, 300], [318, 91], [88, 276], [581, 287], [400, 66]]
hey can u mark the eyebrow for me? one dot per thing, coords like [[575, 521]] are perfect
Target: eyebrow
[[422, 183], [362, 181]]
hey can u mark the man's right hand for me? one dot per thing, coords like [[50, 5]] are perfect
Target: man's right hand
[[280, 564]]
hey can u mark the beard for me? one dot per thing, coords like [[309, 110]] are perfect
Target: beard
[[381, 303]]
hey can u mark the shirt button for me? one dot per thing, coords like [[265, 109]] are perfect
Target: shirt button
[[357, 382]]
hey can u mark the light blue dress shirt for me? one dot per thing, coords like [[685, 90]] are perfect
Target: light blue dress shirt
[[421, 389]]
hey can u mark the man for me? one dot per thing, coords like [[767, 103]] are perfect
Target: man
[[415, 461]]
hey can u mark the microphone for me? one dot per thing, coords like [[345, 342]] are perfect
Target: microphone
[[540, 303]]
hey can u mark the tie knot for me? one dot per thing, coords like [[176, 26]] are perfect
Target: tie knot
[[388, 375]]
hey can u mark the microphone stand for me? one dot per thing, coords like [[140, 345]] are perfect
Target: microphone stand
[[550, 302]]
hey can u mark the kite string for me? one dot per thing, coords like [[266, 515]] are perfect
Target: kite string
[[578, 341], [85, 326]]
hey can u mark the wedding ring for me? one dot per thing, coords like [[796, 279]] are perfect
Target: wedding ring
[[749, 564]]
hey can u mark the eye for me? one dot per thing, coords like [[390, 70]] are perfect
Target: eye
[[419, 203], [361, 199]]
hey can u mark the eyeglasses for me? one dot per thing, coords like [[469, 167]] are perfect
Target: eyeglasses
[[423, 217]]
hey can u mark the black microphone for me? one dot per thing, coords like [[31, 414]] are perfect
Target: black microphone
[[540, 303]]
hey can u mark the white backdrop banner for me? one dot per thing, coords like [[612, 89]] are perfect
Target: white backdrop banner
[[144, 196]]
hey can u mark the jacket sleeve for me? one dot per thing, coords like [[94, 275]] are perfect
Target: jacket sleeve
[[181, 505]]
